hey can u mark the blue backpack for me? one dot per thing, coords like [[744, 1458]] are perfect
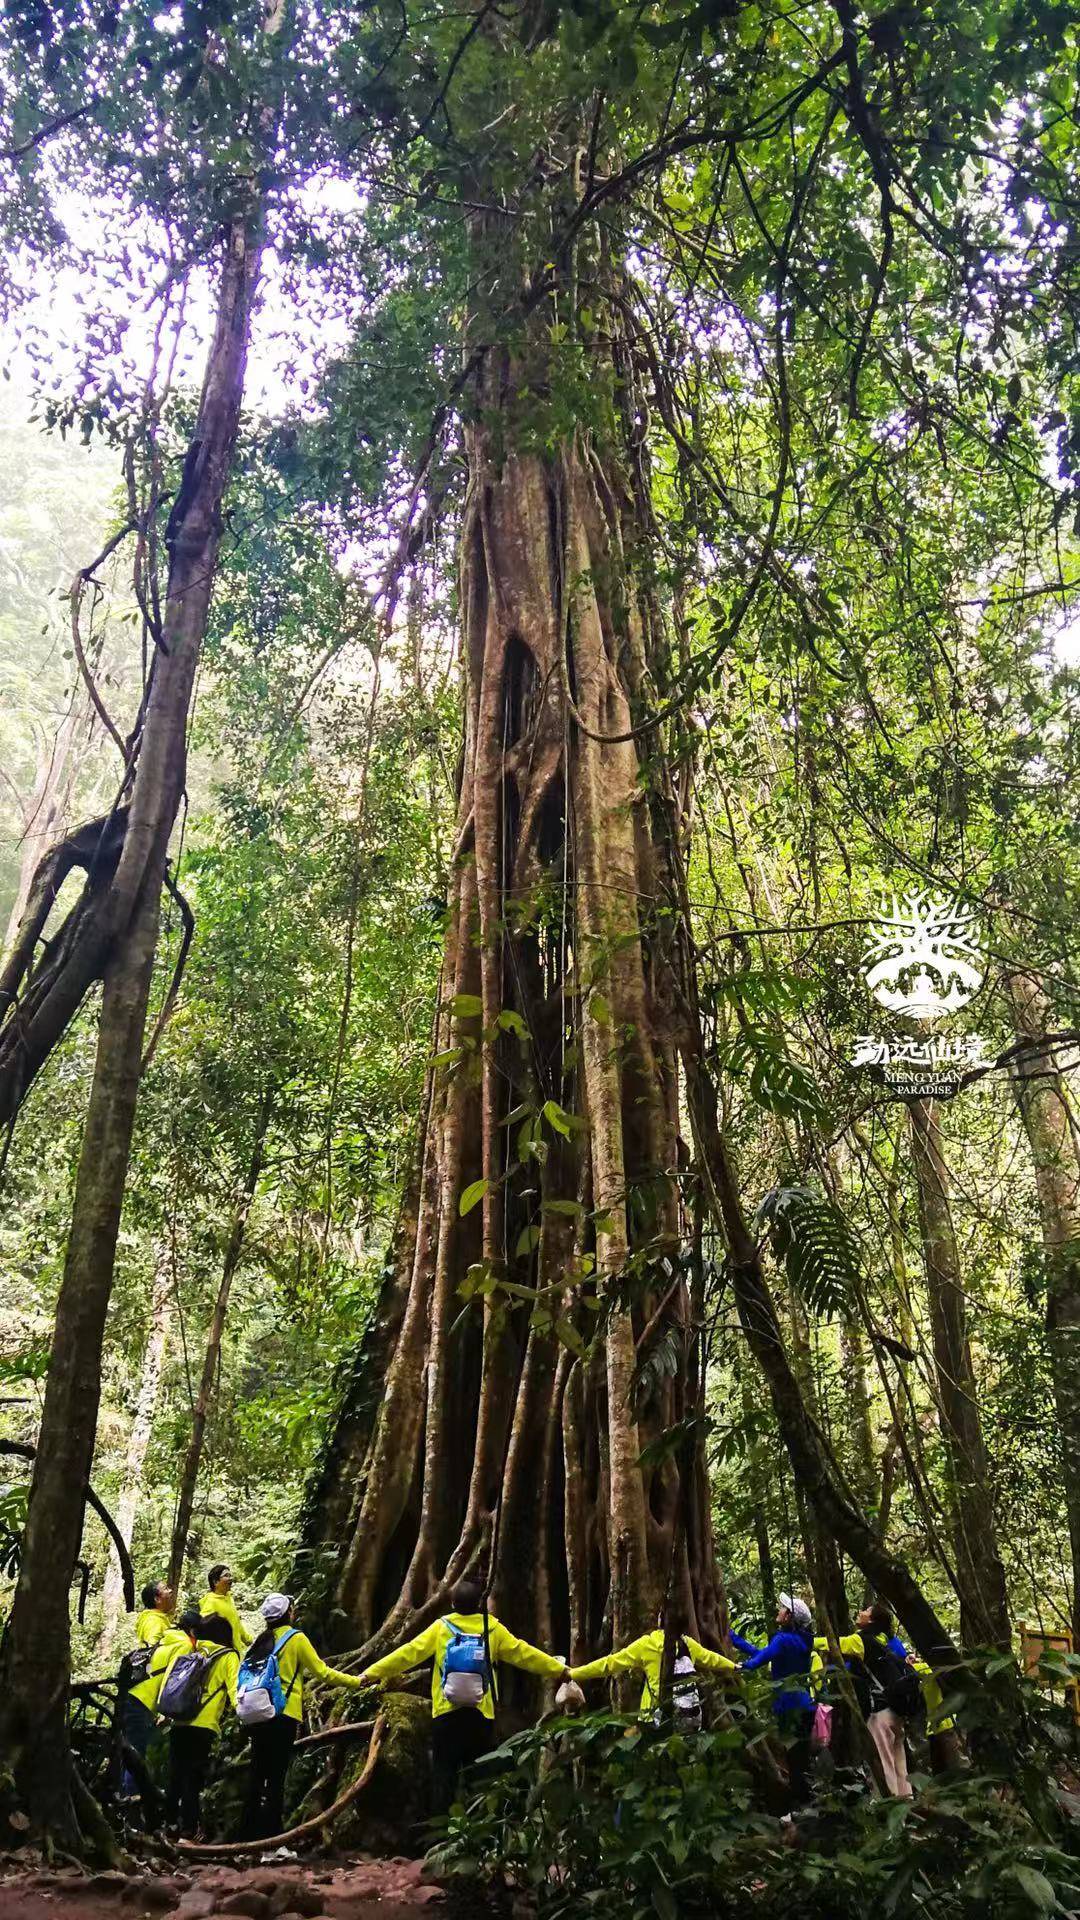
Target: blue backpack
[[260, 1695], [466, 1670]]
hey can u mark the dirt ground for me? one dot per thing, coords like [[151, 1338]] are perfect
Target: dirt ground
[[355, 1889]]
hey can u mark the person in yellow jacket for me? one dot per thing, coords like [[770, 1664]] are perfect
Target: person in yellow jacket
[[158, 1605], [940, 1727], [272, 1740], [645, 1656], [191, 1742], [153, 1630], [464, 1647], [218, 1600]]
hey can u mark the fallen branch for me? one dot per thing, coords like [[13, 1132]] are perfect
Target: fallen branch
[[333, 1733], [227, 1848]]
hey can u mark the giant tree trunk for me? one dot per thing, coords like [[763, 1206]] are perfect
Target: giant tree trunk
[[980, 1576], [114, 927], [518, 1397], [204, 1399], [137, 1447], [1050, 1122]]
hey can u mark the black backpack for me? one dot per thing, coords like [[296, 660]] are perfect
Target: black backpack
[[135, 1667], [893, 1684]]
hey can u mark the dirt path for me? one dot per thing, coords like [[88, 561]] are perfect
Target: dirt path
[[357, 1889]]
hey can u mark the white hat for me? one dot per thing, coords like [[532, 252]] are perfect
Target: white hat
[[275, 1607], [797, 1608]]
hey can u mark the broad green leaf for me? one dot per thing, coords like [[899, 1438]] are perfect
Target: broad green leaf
[[473, 1193]]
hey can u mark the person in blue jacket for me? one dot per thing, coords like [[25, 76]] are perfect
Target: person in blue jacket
[[790, 1659]]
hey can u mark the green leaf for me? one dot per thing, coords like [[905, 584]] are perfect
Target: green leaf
[[466, 1006], [448, 1057], [512, 1022], [557, 1118], [812, 1238], [665, 1904], [600, 1009], [527, 1240], [1036, 1886], [473, 1193], [572, 1208], [569, 1335]]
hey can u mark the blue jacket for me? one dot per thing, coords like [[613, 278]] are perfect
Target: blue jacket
[[789, 1655]]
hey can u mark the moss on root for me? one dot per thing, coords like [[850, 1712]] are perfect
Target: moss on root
[[393, 1807]]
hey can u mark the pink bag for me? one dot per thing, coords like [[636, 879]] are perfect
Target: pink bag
[[821, 1731]]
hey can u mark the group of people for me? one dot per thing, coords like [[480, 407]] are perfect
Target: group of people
[[184, 1673], [890, 1685]]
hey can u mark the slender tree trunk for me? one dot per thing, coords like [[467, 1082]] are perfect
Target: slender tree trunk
[[118, 930], [823, 1559], [812, 1464], [758, 1479], [40, 992], [35, 1661], [204, 1399], [46, 812], [1050, 1121], [138, 1445], [984, 1606], [860, 1425]]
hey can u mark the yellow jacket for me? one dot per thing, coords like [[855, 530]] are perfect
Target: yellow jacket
[[151, 1625], [933, 1700], [220, 1682], [433, 1642], [850, 1645], [224, 1605], [298, 1657], [645, 1655], [172, 1642]]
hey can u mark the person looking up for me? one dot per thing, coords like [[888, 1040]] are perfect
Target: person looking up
[[465, 1647], [158, 1603], [895, 1694], [790, 1658], [218, 1600], [272, 1739]]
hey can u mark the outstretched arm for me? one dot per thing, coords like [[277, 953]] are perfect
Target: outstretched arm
[[412, 1654], [518, 1653], [707, 1661], [762, 1655], [629, 1659]]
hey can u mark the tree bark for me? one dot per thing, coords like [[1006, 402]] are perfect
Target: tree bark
[[980, 1576], [45, 814], [41, 993], [510, 1431], [113, 931], [204, 1399], [813, 1466], [1050, 1122], [35, 1661], [138, 1445]]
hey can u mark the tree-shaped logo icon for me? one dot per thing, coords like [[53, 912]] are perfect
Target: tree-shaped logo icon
[[923, 958]]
